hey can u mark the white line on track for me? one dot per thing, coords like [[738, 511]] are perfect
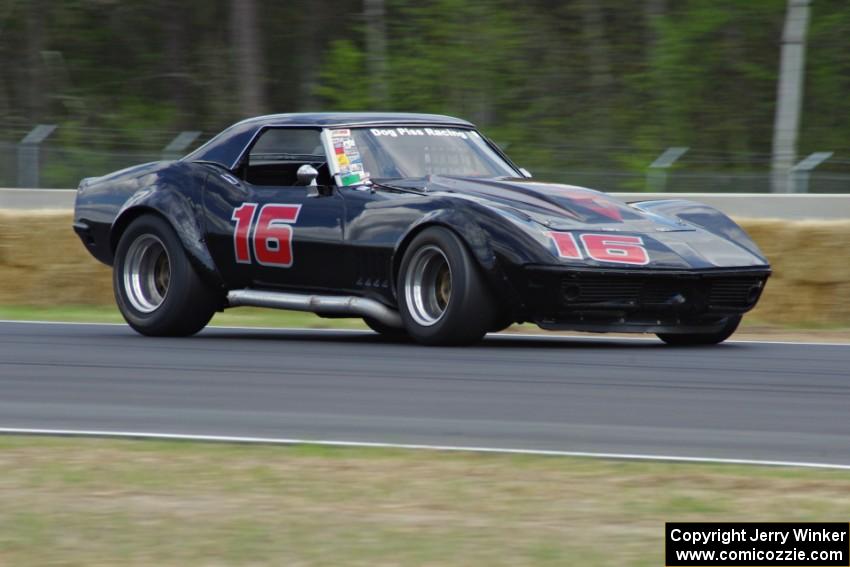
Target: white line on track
[[453, 448], [409, 446], [366, 332]]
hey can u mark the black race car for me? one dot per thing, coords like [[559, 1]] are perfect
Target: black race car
[[416, 223]]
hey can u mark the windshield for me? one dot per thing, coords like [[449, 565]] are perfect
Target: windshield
[[399, 152]]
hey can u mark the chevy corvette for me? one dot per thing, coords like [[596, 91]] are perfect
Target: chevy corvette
[[416, 223]]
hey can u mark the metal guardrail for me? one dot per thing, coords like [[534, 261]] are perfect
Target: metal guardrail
[[37, 199], [743, 205], [760, 205]]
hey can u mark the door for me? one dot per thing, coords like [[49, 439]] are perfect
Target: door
[[265, 230]]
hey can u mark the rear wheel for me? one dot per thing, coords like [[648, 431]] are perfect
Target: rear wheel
[[157, 289], [695, 339], [443, 299]]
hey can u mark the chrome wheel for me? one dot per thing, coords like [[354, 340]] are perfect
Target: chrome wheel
[[147, 273], [428, 285]]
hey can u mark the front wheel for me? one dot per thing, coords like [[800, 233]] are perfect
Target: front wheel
[[443, 298], [696, 339], [157, 289]]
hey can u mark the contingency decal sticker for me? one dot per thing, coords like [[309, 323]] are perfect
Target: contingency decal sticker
[[348, 158]]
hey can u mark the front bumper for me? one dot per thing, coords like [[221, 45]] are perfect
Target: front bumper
[[639, 300]]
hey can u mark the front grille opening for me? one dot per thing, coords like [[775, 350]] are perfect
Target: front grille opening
[[728, 292], [740, 292]]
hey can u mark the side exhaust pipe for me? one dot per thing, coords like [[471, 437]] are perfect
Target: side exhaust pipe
[[333, 305]]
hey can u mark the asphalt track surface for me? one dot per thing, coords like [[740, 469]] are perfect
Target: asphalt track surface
[[739, 400]]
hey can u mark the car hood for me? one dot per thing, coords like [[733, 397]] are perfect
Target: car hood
[[674, 243], [561, 207]]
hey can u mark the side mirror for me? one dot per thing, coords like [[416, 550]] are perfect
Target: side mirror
[[525, 172], [307, 175]]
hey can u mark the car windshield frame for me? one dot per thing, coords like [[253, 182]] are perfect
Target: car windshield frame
[[353, 151]]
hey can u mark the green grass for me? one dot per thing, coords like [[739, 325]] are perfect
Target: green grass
[[105, 502], [243, 316]]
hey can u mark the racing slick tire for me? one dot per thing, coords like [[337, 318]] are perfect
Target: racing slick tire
[[696, 339], [157, 289], [385, 330], [443, 298]]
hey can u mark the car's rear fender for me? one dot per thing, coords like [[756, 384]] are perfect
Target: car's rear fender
[[182, 212]]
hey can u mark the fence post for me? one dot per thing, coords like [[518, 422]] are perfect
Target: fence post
[[656, 177], [29, 150], [178, 145], [789, 95], [800, 172]]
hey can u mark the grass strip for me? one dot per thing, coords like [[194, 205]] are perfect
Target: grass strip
[[93, 502], [241, 317]]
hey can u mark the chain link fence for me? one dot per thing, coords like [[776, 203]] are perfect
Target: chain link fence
[[52, 163]]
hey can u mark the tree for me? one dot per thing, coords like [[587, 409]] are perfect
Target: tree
[[376, 48], [249, 72], [175, 62], [35, 44]]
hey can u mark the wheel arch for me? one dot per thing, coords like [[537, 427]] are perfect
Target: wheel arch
[[179, 214], [123, 221], [474, 237]]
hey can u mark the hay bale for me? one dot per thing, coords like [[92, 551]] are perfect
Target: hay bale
[[44, 263], [820, 252], [811, 271], [767, 233]]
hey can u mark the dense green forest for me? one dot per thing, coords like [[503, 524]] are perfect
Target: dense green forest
[[583, 86]]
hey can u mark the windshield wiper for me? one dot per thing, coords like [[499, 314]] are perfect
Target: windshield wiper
[[389, 184]]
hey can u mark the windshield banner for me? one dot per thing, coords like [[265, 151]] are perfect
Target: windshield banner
[[436, 132]]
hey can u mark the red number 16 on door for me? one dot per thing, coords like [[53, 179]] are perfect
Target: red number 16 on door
[[269, 233]]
